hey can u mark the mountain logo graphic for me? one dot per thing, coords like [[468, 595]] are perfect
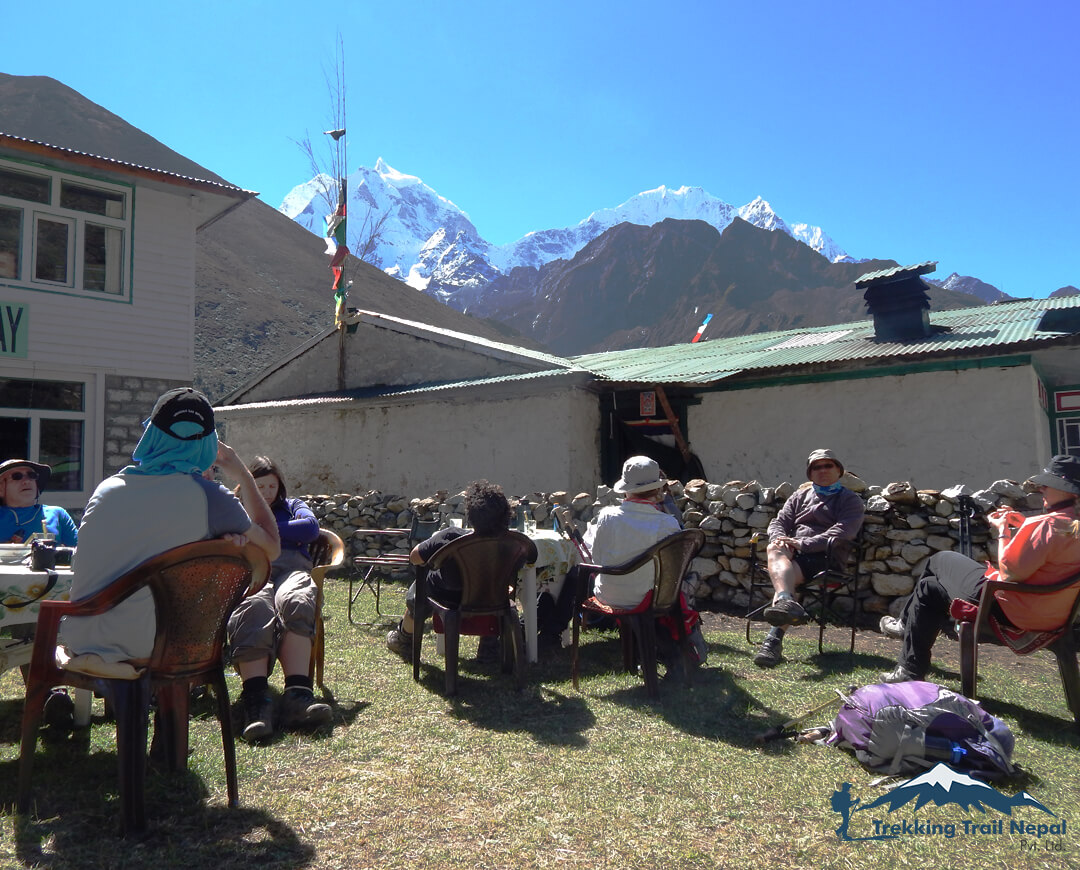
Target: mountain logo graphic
[[940, 785]]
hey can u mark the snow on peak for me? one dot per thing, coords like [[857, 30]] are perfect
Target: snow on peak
[[391, 176]]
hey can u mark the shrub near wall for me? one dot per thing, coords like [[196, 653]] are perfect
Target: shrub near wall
[[904, 526]]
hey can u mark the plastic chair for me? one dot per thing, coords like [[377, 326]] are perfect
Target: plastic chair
[[386, 564], [489, 569], [985, 627], [818, 593], [194, 588], [327, 552], [671, 559]]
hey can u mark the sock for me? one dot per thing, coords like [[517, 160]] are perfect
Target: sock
[[780, 596], [777, 632], [299, 681], [255, 686]]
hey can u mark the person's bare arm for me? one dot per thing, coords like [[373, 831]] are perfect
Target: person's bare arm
[[263, 532]]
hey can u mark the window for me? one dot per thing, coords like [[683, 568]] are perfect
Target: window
[[61, 233], [46, 421], [1068, 435]]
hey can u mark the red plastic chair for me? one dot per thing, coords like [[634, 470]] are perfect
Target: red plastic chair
[[982, 626], [489, 572], [195, 587], [670, 558]]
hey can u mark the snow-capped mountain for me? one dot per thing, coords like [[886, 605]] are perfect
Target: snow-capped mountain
[[431, 244], [942, 785]]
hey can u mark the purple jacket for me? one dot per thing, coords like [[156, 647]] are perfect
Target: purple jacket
[[813, 520]]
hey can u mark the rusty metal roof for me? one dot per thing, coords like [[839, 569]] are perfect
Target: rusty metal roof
[[982, 331]]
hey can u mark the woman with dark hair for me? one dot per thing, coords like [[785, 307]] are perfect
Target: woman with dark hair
[[279, 622], [489, 513], [21, 511]]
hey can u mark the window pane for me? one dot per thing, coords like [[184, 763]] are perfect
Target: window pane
[[19, 185], [101, 258], [51, 256], [10, 241], [44, 395], [80, 198], [14, 438], [61, 447]]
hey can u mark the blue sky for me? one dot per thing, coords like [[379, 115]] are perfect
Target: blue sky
[[909, 130]]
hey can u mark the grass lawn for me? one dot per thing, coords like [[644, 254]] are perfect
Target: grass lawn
[[548, 778]]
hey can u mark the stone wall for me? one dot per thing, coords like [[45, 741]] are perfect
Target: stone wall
[[903, 528], [128, 401]]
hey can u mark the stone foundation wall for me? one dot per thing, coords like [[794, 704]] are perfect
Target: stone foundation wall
[[903, 528], [128, 401]]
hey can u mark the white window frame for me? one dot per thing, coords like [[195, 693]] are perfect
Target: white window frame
[[91, 453], [33, 212]]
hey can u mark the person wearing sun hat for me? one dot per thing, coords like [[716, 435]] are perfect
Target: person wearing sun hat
[[21, 512], [628, 529], [814, 516], [1034, 550], [160, 502]]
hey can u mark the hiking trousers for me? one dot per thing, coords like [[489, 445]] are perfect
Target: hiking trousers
[[947, 575]]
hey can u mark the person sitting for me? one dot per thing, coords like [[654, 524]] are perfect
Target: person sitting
[[279, 621], [489, 513], [799, 539], [1038, 550], [626, 530], [21, 483], [161, 502]]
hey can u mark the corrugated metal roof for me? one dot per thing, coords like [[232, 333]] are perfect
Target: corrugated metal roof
[[349, 397], [988, 328], [896, 272], [86, 155]]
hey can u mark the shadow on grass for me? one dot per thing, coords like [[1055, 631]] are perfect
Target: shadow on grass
[[1059, 731], [75, 821], [486, 698]]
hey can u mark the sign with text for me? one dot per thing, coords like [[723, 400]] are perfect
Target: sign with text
[[14, 328]]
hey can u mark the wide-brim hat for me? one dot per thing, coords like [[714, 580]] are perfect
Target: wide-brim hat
[[44, 472], [639, 474], [819, 454], [1063, 472]]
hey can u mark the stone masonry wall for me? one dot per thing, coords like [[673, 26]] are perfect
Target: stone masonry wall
[[903, 528], [128, 401]]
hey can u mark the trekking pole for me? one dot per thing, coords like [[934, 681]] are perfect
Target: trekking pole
[[789, 728], [966, 505], [567, 527]]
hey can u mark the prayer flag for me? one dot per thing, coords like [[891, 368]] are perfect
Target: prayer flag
[[701, 329]]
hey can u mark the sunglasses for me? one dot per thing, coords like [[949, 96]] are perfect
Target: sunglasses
[[824, 466], [19, 475]]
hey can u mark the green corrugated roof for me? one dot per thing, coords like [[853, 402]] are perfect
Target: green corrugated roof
[[992, 328]]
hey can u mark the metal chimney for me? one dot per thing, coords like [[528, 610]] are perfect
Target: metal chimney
[[896, 299]]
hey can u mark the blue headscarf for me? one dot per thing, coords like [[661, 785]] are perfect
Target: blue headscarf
[[832, 489], [159, 453]]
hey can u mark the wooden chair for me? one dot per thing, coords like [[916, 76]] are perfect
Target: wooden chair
[[984, 627], [489, 572], [195, 587], [818, 593], [670, 559], [376, 567], [327, 552]]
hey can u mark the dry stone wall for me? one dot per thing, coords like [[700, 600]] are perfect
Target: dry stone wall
[[904, 526]]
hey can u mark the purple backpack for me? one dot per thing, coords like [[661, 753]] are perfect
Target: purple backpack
[[904, 728]]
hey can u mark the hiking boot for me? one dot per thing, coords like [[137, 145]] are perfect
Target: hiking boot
[[398, 640], [59, 712], [785, 611], [697, 645], [892, 627], [299, 709], [771, 652], [899, 674], [258, 716], [489, 649]]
